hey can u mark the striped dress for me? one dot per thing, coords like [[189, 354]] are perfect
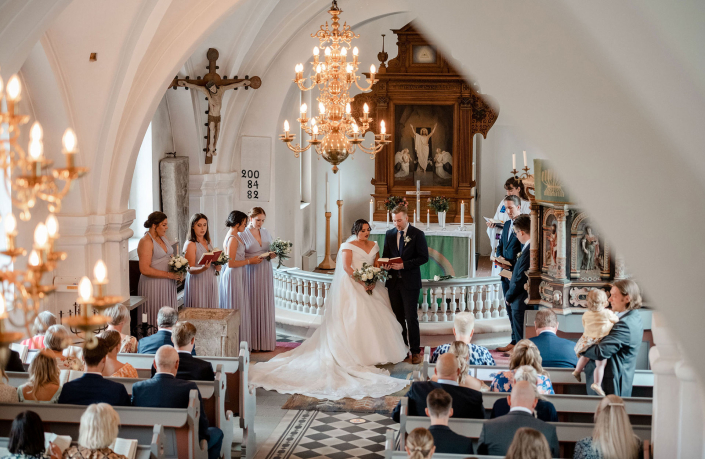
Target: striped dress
[[232, 291], [260, 292], [201, 290], [158, 291]]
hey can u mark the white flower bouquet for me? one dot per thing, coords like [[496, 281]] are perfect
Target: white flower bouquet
[[369, 275], [281, 249], [441, 278], [178, 264], [222, 259]]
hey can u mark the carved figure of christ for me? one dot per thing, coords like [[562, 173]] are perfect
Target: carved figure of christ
[[214, 93], [421, 145]]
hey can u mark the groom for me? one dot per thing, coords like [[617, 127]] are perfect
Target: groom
[[404, 283]]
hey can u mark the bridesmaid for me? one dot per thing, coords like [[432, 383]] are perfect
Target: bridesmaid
[[260, 283], [201, 288], [232, 286], [156, 284]]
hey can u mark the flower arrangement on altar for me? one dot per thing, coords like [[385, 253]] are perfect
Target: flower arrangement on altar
[[222, 259], [369, 275], [439, 204], [178, 264], [281, 249], [391, 202]]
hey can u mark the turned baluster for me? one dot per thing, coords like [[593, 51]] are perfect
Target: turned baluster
[[488, 301], [495, 301], [479, 304], [327, 295], [305, 299], [319, 297], [424, 304], [462, 304], [441, 295], [312, 298], [471, 300]]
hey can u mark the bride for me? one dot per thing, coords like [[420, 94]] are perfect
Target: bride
[[357, 332]]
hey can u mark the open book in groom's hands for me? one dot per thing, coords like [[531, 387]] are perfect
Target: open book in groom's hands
[[390, 261]]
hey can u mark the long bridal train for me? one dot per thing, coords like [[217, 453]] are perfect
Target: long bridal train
[[357, 332]]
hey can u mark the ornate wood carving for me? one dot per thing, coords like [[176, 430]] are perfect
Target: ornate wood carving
[[420, 75]]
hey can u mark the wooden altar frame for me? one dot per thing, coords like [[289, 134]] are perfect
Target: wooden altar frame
[[403, 82]]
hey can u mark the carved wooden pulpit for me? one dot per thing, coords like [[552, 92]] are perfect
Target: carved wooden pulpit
[[432, 113]]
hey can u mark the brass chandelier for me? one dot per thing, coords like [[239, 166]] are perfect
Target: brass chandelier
[[29, 179], [334, 75]]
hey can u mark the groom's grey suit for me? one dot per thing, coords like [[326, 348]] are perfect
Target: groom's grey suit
[[404, 285]]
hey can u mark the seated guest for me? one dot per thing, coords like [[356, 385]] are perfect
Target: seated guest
[[461, 352], [525, 353], [439, 409], [190, 368], [113, 367], [529, 444], [44, 320], [56, 339], [419, 444], [463, 329], [14, 362], [43, 385], [544, 409], [555, 352], [8, 393], [497, 434], [98, 430], [166, 319], [119, 315], [613, 435], [467, 403], [92, 387], [164, 390], [27, 438]]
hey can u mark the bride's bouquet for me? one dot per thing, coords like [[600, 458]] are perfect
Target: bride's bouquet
[[178, 264], [369, 275], [222, 259], [281, 249]]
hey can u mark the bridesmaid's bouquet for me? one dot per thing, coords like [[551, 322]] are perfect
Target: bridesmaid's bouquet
[[281, 249], [222, 260], [178, 264], [369, 275]]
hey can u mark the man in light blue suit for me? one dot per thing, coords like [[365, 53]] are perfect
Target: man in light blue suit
[[555, 352], [166, 319]]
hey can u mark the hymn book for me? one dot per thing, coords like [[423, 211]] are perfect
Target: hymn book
[[493, 221], [506, 274], [126, 447], [501, 260], [209, 256], [62, 441], [390, 261]]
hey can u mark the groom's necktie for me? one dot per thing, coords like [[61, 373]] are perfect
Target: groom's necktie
[[401, 243]]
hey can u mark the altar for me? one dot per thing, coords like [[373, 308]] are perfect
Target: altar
[[451, 251]]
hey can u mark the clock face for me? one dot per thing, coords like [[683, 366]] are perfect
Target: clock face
[[423, 54]]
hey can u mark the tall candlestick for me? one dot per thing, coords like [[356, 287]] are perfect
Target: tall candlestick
[[387, 219], [514, 161], [524, 158], [414, 217], [372, 210], [340, 196], [418, 197], [462, 214], [327, 191]]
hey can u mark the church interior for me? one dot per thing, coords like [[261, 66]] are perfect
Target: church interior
[[298, 118]]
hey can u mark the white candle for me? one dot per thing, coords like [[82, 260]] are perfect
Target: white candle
[[387, 219], [524, 158], [462, 213], [372, 210], [514, 161], [327, 191], [414, 217], [428, 218], [144, 318]]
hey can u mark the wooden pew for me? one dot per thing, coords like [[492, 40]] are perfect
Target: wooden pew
[[568, 432], [179, 427], [239, 397], [390, 453], [212, 393]]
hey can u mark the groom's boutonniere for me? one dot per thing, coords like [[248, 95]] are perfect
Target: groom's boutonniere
[[519, 254], [407, 239]]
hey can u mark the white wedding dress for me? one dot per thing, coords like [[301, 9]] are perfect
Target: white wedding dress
[[357, 332]]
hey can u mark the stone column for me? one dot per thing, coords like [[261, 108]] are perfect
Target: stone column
[[212, 195], [560, 244], [174, 178], [690, 421], [535, 233]]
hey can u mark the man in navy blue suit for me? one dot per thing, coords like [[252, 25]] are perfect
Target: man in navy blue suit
[[164, 390], [190, 367], [92, 387], [508, 248], [555, 352], [166, 319], [516, 293]]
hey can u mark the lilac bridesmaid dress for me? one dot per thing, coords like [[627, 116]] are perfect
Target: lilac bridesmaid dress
[[159, 292], [260, 292], [232, 292], [201, 290]]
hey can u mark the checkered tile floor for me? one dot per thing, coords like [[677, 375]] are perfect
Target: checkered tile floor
[[316, 434], [282, 338]]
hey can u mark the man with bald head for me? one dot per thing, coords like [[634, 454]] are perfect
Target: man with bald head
[[165, 391], [497, 434], [467, 403]]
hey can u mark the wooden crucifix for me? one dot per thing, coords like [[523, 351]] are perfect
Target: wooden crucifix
[[214, 87]]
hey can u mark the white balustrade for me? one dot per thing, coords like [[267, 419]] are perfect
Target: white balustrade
[[307, 293]]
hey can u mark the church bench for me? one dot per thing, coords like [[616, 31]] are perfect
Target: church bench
[[179, 427], [390, 451], [568, 432]]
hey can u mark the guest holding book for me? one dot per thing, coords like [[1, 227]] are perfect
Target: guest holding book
[[201, 286], [26, 439], [157, 284], [259, 280], [98, 430]]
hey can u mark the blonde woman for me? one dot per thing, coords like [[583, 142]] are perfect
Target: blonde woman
[[56, 339], [98, 430], [114, 368], [44, 320], [613, 437], [118, 318], [8, 394], [529, 444], [525, 353], [461, 351], [544, 409], [43, 385], [419, 444]]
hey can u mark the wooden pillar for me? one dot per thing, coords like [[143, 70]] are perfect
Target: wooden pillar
[[534, 246], [561, 245]]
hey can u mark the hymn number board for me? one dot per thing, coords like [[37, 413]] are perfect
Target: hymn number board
[[255, 172]]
